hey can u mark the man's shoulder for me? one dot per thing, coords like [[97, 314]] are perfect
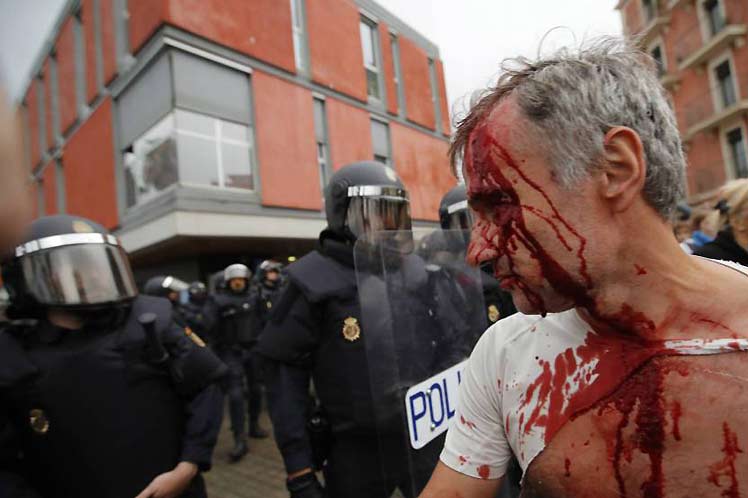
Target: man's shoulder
[[520, 330]]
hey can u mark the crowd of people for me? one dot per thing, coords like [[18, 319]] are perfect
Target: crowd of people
[[588, 340]]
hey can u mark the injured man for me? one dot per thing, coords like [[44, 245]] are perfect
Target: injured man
[[626, 372]]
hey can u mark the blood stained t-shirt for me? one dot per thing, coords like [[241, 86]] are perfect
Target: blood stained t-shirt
[[530, 375]]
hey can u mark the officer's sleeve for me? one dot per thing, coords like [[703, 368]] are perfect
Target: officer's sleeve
[[288, 397], [204, 416], [193, 365], [292, 333], [452, 321]]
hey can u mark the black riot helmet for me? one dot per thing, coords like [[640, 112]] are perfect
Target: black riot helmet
[[266, 267], [164, 286], [67, 262], [454, 213], [198, 292], [366, 197]]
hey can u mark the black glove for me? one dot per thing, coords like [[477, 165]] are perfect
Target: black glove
[[305, 486]]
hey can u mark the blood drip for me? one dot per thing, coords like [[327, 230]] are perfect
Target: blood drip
[[676, 413], [640, 270], [567, 467], [726, 467], [484, 471]]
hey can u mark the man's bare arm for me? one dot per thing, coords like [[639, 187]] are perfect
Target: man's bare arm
[[448, 483]]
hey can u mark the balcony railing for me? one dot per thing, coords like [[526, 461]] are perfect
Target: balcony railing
[[708, 110], [697, 43]]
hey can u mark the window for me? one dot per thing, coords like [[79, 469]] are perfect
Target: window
[[54, 96], [124, 59], [650, 9], [320, 131], [299, 36], [60, 186], [714, 17], [656, 54], [380, 139], [41, 109], [725, 84], [737, 144], [370, 47], [190, 149], [98, 48], [80, 63], [435, 95], [395, 44]]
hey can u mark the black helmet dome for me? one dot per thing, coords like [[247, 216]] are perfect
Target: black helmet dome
[[378, 191], [68, 261], [453, 209]]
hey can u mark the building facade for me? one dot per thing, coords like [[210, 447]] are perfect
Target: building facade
[[203, 131], [700, 48]]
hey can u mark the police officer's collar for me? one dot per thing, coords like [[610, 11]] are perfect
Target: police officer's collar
[[337, 247]]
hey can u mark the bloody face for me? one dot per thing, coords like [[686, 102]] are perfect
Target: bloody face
[[526, 225]]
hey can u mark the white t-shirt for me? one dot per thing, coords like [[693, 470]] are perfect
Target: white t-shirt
[[528, 375]]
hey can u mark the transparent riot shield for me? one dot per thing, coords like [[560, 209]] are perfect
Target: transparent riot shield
[[421, 313]]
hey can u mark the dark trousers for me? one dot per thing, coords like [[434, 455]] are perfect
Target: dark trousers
[[373, 467], [244, 366]]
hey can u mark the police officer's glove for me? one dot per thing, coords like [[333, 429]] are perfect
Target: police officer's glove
[[305, 486]]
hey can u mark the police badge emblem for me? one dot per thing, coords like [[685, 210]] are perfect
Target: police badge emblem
[[493, 313], [351, 330], [38, 421]]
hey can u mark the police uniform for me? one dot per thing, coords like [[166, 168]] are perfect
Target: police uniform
[[267, 291], [234, 340], [316, 331], [98, 411]]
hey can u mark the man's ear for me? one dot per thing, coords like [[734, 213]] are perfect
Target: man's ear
[[624, 168]]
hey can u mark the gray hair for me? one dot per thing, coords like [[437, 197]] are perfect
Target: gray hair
[[573, 98]]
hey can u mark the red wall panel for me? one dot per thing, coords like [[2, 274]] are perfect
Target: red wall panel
[[32, 116], [66, 75], [415, 68], [706, 167], [443, 100], [335, 46], [88, 164], [50, 189], [87, 16], [108, 45], [389, 68], [145, 17], [261, 28], [286, 148], [421, 161], [349, 133]]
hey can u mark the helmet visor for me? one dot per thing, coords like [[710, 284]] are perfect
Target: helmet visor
[[82, 274], [459, 216], [367, 215]]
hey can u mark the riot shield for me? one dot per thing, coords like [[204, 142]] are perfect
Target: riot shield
[[419, 301]]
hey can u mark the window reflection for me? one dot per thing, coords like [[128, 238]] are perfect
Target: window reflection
[[190, 149]]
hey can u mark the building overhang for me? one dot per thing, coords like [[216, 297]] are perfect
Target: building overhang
[[652, 30], [670, 80], [716, 120], [730, 34]]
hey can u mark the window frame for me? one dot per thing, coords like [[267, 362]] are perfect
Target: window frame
[[397, 76], [324, 163], [376, 48], [705, 19], [81, 89], [714, 82], [730, 164], [60, 185], [659, 43], [389, 161], [649, 10], [299, 36]]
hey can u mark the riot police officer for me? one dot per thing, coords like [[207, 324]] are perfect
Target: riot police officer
[[234, 341], [101, 395], [316, 331], [165, 286], [454, 214], [269, 283], [198, 314]]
